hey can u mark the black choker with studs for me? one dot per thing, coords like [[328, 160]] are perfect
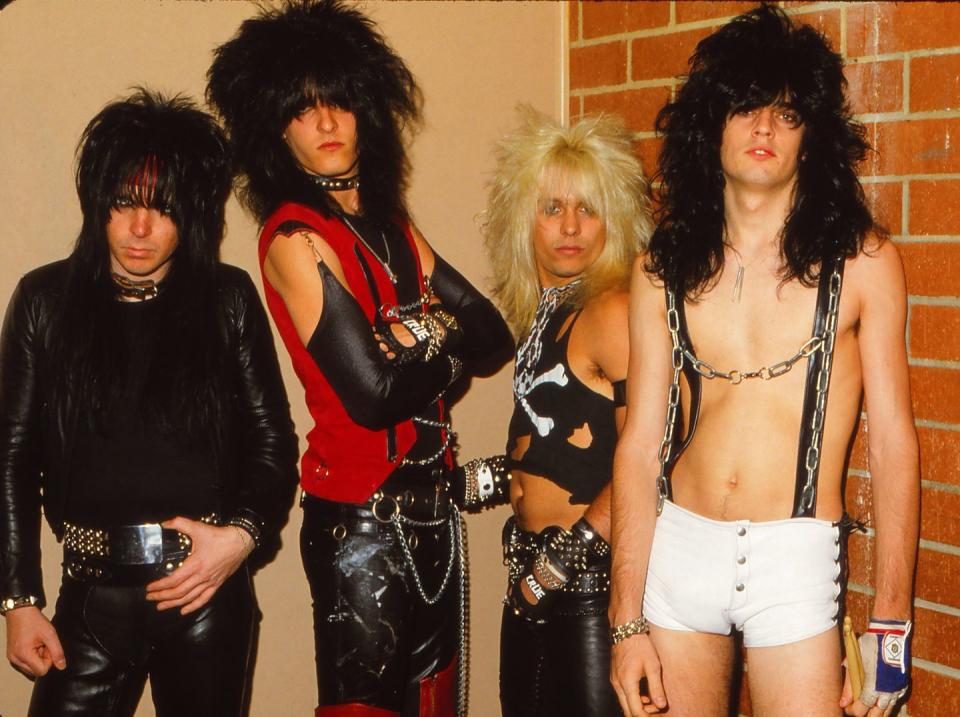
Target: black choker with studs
[[336, 184]]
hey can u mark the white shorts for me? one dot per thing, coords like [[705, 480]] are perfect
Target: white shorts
[[777, 581]]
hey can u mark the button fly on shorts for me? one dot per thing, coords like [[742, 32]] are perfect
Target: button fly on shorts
[[741, 570]]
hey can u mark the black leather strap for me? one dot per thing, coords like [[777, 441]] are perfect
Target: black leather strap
[[814, 365]]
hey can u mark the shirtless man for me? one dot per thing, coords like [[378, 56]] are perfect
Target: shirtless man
[[567, 214], [763, 224]]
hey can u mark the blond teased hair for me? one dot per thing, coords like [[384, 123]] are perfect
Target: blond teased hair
[[592, 159]]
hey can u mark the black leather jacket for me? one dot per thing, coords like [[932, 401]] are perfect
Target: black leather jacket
[[256, 448]]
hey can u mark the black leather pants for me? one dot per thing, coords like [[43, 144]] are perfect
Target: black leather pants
[[560, 667], [378, 644], [198, 664]]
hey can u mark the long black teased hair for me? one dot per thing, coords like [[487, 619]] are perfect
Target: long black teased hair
[[284, 61], [165, 154], [758, 59]]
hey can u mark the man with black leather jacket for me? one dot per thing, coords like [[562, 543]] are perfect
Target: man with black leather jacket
[[142, 409]]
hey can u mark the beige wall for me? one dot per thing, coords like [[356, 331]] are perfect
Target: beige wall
[[63, 59]]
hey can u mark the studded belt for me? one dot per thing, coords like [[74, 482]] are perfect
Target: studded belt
[[519, 546], [127, 554]]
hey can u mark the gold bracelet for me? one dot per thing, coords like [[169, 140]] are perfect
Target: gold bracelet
[[637, 626], [12, 603]]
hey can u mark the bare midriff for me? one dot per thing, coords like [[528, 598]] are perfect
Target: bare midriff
[[742, 461], [538, 503]]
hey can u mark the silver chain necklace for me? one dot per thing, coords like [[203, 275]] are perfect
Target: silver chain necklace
[[386, 246], [528, 353]]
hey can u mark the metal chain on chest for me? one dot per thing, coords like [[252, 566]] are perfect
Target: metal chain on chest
[[449, 438], [679, 353], [822, 384], [673, 398], [735, 376], [528, 353]]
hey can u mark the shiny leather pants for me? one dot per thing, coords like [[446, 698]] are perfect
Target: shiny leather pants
[[559, 668], [380, 649], [198, 664]]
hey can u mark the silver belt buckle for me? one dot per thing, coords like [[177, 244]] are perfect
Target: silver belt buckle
[[137, 544]]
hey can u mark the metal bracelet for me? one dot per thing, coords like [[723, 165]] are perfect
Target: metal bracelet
[[12, 603], [248, 525], [637, 626]]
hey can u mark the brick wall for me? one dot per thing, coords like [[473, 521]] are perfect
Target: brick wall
[[903, 66]]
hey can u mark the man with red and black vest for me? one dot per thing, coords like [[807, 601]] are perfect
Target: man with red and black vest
[[378, 327]]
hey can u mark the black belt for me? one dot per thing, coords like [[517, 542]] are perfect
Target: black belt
[[519, 545], [125, 554]]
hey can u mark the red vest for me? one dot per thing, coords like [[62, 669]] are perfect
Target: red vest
[[343, 461]]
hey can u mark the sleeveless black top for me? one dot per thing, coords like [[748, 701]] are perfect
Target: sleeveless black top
[[550, 404]]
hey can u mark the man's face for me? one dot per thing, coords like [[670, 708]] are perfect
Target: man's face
[[323, 140], [760, 147], [568, 236], [142, 241]]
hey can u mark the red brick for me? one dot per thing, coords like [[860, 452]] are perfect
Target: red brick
[[610, 18], [598, 65], [858, 454], [933, 695], [860, 556], [875, 86], [936, 393], [938, 575], [694, 10], [637, 107], [935, 332], [573, 20], [935, 83], [941, 517], [936, 637], [886, 203], [932, 268], [934, 207], [880, 27], [648, 151], [827, 23], [914, 147], [858, 498], [939, 455], [665, 55], [576, 109]]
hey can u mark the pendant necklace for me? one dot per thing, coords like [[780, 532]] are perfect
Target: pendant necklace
[[386, 246], [741, 270]]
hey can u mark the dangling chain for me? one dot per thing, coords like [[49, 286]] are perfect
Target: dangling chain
[[528, 353], [822, 384], [458, 557], [463, 663], [454, 528], [823, 343], [449, 438]]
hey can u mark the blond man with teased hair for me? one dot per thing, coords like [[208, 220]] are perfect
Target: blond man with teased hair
[[568, 211]]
